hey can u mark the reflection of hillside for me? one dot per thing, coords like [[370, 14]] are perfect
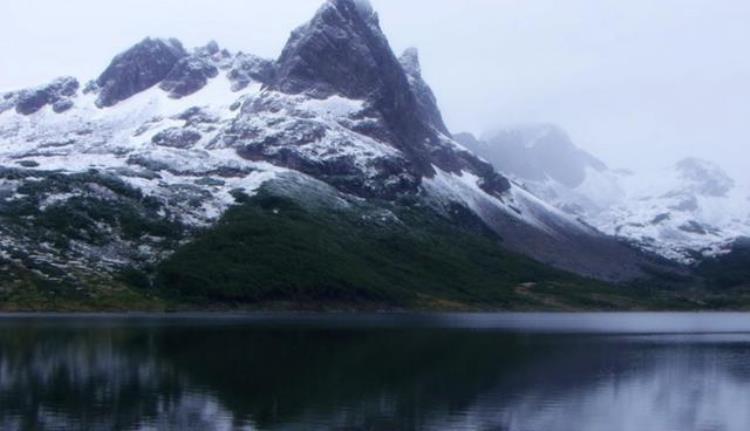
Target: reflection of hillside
[[349, 377], [210, 376], [77, 378], [419, 379], [632, 387]]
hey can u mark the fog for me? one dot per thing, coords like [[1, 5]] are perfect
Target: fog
[[640, 83]]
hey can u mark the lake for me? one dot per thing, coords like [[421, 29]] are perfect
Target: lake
[[500, 372]]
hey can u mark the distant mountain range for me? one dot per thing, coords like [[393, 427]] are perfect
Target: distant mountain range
[[687, 212], [325, 176]]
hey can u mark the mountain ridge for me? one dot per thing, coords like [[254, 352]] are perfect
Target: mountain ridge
[[201, 132], [686, 213]]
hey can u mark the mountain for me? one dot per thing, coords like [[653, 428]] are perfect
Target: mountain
[[688, 212], [544, 159], [326, 174]]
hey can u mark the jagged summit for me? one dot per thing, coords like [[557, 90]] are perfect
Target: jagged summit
[[178, 72], [139, 68], [425, 97], [339, 51], [365, 9], [342, 51]]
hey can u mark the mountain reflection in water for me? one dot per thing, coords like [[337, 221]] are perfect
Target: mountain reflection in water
[[204, 374]]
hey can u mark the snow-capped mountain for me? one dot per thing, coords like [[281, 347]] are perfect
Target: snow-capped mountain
[[124, 169], [544, 159], [684, 213]]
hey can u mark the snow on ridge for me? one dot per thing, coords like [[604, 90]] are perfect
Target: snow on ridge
[[334, 106], [119, 140], [122, 140], [672, 215], [516, 202]]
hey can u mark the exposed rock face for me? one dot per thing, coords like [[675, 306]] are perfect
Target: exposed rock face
[[62, 105], [189, 75], [342, 52], [31, 102], [8, 101], [197, 115], [57, 93], [425, 97], [137, 69], [177, 137], [321, 138], [248, 68]]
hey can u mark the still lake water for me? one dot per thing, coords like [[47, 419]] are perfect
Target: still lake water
[[504, 372]]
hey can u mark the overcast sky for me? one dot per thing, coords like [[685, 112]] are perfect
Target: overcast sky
[[639, 83]]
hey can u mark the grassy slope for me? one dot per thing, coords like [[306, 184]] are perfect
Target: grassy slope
[[270, 250]]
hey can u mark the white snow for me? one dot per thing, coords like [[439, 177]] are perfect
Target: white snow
[[334, 106], [661, 211], [87, 137], [516, 202]]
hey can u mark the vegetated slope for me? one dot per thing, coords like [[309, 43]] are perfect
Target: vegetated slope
[[304, 243], [729, 271]]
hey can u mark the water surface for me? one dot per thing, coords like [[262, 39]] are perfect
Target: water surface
[[509, 372]]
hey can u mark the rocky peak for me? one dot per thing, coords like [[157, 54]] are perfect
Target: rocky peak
[[425, 97], [137, 69], [58, 93], [247, 68], [188, 75], [210, 49], [342, 51]]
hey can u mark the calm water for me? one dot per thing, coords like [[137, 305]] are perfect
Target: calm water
[[504, 372]]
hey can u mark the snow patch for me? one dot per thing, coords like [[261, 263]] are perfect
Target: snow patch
[[516, 202]]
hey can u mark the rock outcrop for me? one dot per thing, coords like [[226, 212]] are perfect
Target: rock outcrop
[[58, 94], [137, 69], [247, 68], [188, 75], [342, 52]]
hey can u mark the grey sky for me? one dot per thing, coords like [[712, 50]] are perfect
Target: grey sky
[[636, 82]]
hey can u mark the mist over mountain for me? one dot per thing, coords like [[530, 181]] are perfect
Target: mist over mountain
[[685, 212]]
